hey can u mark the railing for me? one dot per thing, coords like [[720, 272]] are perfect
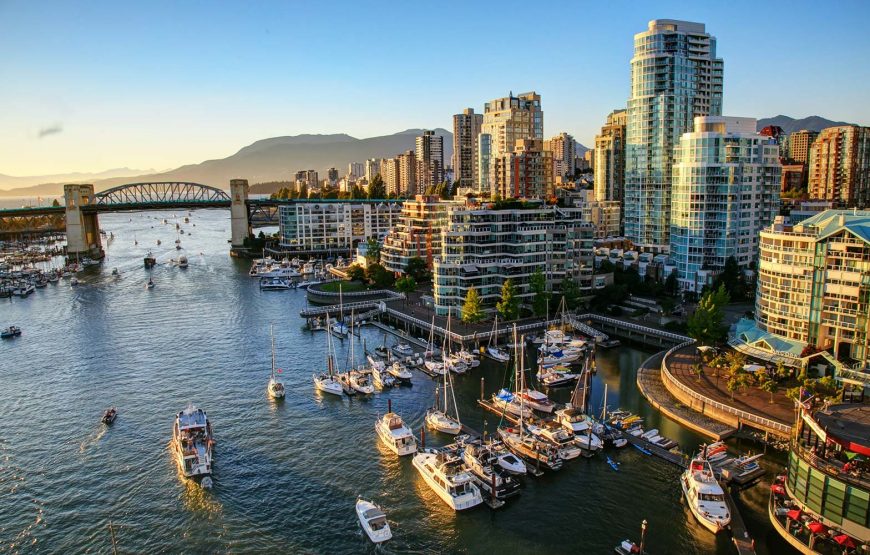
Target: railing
[[830, 468], [636, 327], [740, 414], [334, 309]]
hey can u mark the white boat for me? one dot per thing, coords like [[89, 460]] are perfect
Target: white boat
[[339, 328], [537, 400], [439, 417], [455, 364], [403, 349], [560, 438], [193, 443], [579, 424], [395, 434], [468, 358], [705, 496], [402, 374], [382, 378], [444, 473], [182, 261], [525, 446], [274, 284], [436, 367], [482, 461], [327, 382], [373, 521], [556, 376], [275, 387], [506, 401], [149, 285], [360, 382]]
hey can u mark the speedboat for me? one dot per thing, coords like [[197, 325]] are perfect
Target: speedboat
[[508, 402], [444, 473], [403, 349], [556, 376], [193, 443], [468, 358], [395, 434], [109, 416], [705, 496], [435, 367], [373, 521], [10, 332], [360, 382], [537, 400]]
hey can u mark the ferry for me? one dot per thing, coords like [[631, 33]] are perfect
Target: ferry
[[193, 444], [396, 435], [705, 496], [444, 473]]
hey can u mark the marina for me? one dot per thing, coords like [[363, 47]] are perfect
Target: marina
[[128, 357]]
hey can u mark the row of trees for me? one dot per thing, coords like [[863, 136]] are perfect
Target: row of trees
[[509, 305]]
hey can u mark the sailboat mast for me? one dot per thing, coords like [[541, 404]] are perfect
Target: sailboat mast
[[272, 335]]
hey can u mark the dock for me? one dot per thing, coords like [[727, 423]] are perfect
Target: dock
[[488, 405], [739, 535], [673, 458]]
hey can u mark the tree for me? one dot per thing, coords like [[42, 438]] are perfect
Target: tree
[[357, 192], [770, 386], [55, 203], [472, 311], [417, 269], [541, 299], [303, 191], [571, 292], [698, 370], [782, 371], [509, 305], [705, 325], [732, 385], [355, 272], [377, 188], [671, 284], [373, 249], [406, 285], [732, 279], [379, 276]]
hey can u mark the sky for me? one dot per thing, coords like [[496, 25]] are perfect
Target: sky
[[93, 85]]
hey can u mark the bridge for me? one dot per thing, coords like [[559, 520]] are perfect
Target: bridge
[[77, 215]]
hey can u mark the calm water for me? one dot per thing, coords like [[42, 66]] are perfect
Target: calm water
[[286, 475]]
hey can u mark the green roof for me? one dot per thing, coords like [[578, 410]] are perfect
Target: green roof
[[830, 222]]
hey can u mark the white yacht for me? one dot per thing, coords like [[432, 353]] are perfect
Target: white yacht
[[274, 284], [506, 401], [193, 443], [373, 521], [537, 400], [439, 417], [578, 423], [402, 374], [444, 473], [395, 434], [435, 367], [403, 349], [560, 438], [704, 495], [483, 463], [275, 387], [327, 382]]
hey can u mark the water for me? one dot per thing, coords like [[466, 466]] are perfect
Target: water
[[286, 474]]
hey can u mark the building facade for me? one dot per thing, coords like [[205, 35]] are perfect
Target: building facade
[[466, 129], [609, 169], [429, 153], [726, 181], [417, 234], [675, 76], [484, 244], [799, 145], [839, 166], [603, 214], [318, 225], [484, 165], [372, 168], [510, 119], [407, 174], [356, 170], [814, 284], [563, 148], [526, 172], [794, 179]]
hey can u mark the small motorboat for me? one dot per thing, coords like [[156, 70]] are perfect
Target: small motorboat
[[150, 284], [511, 463], [373, 521], [115, 272], [109, 416], [10, 332], [73, 281]]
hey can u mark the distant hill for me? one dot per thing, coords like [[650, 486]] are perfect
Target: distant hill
[[275, 159], [790, 125], [47, 184]]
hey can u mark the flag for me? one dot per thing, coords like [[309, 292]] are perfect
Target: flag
[[279, 370]]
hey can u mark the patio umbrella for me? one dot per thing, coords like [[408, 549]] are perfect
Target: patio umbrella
[[777, 489], [817, 527], [794, 514], [845, 541]]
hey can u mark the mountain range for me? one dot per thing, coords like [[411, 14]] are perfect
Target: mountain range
[[279, 158]]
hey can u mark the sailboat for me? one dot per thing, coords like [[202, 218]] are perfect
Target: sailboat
[[507, 400], [492, 349], [359, 382], [327, 382], [438, 417], [573, 417], [275, 387]]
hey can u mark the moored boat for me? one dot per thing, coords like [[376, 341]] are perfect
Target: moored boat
[[444, 473], [10, 332], [109, 416], [395, 434], [705, 496]]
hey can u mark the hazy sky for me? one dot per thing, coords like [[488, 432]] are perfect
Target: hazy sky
[[88, 86]]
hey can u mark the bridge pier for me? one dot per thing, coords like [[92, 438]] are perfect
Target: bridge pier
[[82, 230], [240, 225]]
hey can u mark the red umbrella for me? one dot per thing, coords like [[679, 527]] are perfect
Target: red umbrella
[[845, 541], [794, 514], [817, 527], [777, 489]]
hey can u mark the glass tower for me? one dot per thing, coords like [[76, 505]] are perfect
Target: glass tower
[[675, 76]]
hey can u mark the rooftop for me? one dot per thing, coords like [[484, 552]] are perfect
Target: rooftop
[[832, 221], [849, 423]]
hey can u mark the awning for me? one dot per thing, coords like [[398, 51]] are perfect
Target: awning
[[794, 514], [845, 541], [817, 527]]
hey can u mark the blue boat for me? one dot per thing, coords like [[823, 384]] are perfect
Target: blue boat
[[643, 450], [613, 464]]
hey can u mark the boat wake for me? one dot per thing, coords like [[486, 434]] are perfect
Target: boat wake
[[93, 439]]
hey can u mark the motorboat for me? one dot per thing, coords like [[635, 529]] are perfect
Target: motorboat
[[380, 377], [150, 261], [403, 349], [436, 367], [444, 472], [360, 382], [182, 261], [402, 374], [339, 329], [468, 358], [274, 284], [483, 464], [10, 332], [395, 434], [74, 281], [109, 416], [537, 400], [581, 425], [455, 364], [498, 354], [115, 272], [556, 376], [275, 388], [150, 284], [559, 437], [533, 450], [705, 496], [193, 444], [373, 521]]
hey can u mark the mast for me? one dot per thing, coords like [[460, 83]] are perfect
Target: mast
[[330, 364], [604, 408], [272, 335]]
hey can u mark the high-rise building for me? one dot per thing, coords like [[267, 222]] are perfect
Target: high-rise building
[[308, 179], [407, 173], [390, 176], [839, 166], [526, 172], [562, 147], [813, 290], [484, 164], [356, 170], [429, 154], [512, 118], [609, 169], [417, 234], [372, 168], [482, 246], [675, 76], [317, 225], [799, 144], [466, 128], [332, 176], [726, 181]]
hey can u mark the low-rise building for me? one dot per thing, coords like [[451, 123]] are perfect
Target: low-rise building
[[485, 244], [416, 234], [319, 225], [604, 214]]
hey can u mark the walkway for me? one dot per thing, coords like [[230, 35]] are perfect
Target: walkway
[[713, 384], [649, 382]]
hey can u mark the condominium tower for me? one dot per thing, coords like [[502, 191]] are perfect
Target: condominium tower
[[726, 181], [675, 76], [429, 154], [839, 166], [563, 149], [466, 128], [506, 121], [610, 158], [799, 144]]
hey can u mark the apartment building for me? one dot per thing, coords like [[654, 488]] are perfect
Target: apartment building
[[466, 129], [417, 233], [839, 166], [318, 225], [609, 158]]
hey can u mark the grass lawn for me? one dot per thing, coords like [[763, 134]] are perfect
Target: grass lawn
[[346, 286]]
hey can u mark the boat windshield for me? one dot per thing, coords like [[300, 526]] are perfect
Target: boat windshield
[[461, 489], [378, 523], [711, 497]]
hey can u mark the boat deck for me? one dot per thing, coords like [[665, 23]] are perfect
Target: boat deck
[[671, 457]]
